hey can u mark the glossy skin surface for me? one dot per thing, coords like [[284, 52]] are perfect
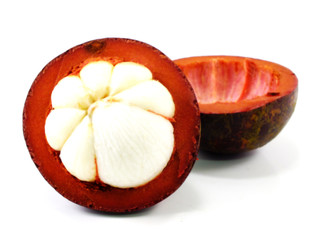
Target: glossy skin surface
[[248, 104], [97, 195]]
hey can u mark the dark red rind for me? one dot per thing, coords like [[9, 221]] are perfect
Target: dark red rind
[[245, 125], [244, 131], [101, 196]]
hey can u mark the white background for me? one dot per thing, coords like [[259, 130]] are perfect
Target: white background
[[271, 193]]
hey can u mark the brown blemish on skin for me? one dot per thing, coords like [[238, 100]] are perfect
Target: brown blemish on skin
[[95, 46]]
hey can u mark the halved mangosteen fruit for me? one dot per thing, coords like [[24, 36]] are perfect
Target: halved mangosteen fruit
[[244, 102], [112, 125]]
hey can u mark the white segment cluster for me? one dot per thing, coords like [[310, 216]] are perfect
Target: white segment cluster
[[111, 123]]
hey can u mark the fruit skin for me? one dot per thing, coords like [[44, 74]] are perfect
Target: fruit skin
[[251, 128], [96, 195], [240, 132]]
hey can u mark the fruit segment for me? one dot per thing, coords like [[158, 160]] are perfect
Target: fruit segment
[[124, 138], [126, 75], [78, 155], [59, 125], [70, 92], [96, 77], [132, 145], [149, 95]]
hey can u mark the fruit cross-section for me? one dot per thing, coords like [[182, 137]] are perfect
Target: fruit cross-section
[[112, 123]]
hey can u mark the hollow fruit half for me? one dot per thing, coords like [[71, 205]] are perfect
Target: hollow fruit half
[[112, 125], [244, 102]]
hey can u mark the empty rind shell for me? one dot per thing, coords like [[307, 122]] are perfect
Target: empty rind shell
[[244, 102]]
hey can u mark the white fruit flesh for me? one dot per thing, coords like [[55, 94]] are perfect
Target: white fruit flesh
[[60, 123], [96, 77], [78, 153], [126, 75], [149, 95], [132, 145], [112, 123], [70, 92]]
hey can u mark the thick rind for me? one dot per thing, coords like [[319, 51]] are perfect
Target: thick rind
[[244, 131], [97, 195], [244, 126]]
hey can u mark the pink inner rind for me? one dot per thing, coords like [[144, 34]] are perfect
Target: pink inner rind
[[219, 81]]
